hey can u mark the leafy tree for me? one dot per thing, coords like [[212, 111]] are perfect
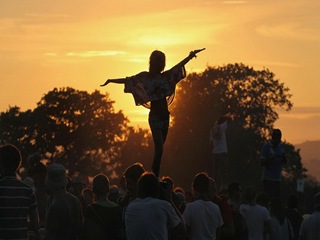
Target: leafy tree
[[80, 130], [14, 128], [251, 96]]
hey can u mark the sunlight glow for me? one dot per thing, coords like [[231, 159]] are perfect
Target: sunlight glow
[[234, 2], [45, 45], [95, 53]]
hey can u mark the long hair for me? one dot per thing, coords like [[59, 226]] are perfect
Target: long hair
[[157, 62]]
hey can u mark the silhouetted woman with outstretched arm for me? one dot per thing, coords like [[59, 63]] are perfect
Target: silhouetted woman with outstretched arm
[[155, 90]]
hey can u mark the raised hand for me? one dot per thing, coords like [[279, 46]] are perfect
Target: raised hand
[[194, 52], [106, 83]]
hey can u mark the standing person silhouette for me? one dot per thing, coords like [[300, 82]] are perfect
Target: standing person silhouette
[[155, 90], [272, 158]]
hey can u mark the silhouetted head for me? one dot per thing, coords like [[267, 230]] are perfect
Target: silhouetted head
[[132, 174], [100, 185], [249, 195], [276, 136], [263, 199], [57, 177], [293, 201], [168, 180], [234, 190], [157, 62], [87, 195], [201, 183], [148, 185], [10, 158], [114, 193]]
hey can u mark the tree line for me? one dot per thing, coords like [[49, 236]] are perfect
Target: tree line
[[83, 131]]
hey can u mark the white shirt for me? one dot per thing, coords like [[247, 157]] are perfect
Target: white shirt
[[255, 217], [203, 218], [149, 219], [220, 145], [310, 227], [280, 232]]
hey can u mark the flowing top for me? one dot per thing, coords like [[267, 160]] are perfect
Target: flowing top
[[145, 88]]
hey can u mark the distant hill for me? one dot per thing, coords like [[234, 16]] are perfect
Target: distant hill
[[310, 153]]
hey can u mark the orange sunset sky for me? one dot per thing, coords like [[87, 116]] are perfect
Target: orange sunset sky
[[80, 43]]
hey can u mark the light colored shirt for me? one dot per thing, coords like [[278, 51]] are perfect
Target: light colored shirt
[[149, 219], [220, 143], [255, 216], [310, 227], [202, 219]]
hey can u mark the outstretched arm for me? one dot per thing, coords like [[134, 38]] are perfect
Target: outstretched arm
[[192, 54], [118, 81]]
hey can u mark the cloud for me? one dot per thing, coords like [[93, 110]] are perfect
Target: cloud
[[234, 2], [289, 30], [88, 54], [300, 124], [306, 110], [274, 63], [51, 54]]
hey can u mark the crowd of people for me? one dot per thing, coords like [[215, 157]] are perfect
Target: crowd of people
[[48, 204]]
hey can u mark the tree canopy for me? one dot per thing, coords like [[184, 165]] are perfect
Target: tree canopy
[[80, 130], [251, 96]]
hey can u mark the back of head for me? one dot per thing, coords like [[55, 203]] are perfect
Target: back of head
[[263, 199], [114, 193], [293, 201], [148, 185], [134, 172], [168, 180], [157, 62], [87, 195], [201, 183], [233, 188], [56, 177], [276, 135], [10, 158], [100, 185], [249, 195]]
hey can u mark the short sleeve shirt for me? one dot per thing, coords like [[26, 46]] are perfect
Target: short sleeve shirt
[[255, 217], [203, 218], [146, 88], [272, 171], [310, 227], [149, 219]]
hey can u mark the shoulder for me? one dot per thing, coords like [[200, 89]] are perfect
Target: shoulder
[[12, 182], [113, 210], [159, 202], [73, 198], [264, 211], [244, 207], [224, 125], [143, 74], [268, 144]]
